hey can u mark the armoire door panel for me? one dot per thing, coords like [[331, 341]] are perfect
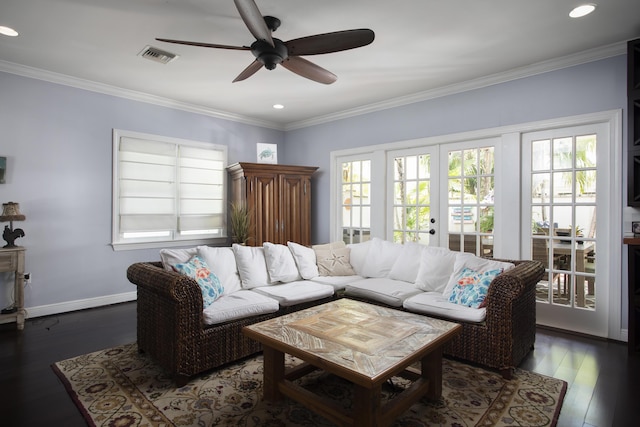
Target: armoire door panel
[[266, 209]]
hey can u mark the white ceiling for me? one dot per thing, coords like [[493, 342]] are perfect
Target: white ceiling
[[420, 46]]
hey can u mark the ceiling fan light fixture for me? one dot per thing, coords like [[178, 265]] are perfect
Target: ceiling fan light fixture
[[269, 55], [8, 31], [582, 10]]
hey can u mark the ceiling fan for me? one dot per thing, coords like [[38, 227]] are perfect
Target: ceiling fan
[[270, 51]]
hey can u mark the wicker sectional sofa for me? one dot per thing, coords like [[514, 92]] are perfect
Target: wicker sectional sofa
[[185, 339]]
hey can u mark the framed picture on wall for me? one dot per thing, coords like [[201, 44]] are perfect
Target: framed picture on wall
[[267, 153], [3, 168]]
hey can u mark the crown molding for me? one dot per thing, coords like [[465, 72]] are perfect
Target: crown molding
[[490, 80], [583, 57], [63, 79]]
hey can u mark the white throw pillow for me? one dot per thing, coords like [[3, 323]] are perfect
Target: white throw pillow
[[358, 255], [171, 257], [222, 261], [252, 266], [305, 259], [380, 258], [436, 266], [280, 263], [408, 263], [479, 265]]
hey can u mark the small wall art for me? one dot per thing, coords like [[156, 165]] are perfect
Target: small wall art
[[267, 153], [3, 168]]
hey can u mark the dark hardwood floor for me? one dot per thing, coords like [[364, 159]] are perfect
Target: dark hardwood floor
[[603, 380]]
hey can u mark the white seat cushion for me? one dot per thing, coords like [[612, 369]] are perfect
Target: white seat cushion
[[436, 304], [338, 282], [239, 305], [387, 291], [293, 293]]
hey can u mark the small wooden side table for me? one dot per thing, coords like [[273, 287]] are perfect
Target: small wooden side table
[[12, 259]]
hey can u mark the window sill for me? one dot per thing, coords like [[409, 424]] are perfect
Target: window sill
[[221, 241]]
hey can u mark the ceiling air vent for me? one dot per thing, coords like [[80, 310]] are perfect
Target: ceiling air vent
[[157, 55]]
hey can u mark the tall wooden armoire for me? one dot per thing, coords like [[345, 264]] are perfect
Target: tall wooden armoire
[[278, 198]]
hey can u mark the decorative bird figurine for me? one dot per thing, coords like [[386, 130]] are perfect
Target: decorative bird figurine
[[10, 236]]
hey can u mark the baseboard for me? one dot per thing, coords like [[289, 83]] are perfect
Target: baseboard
[[64, 307]]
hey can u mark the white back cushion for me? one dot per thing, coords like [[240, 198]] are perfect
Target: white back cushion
[[252, 266], [436, 266], [280, 263], [222, 261], [305, 259], [480, 265], [408, 263], [358, 255], [380, 258], [171, 257]]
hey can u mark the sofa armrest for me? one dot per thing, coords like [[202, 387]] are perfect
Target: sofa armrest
[[512, 284], [169, 313], [151, 277]]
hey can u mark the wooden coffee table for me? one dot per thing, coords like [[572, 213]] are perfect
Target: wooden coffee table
[[362, 343]]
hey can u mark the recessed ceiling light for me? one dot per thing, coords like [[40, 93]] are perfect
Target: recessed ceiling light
[[8, 31], [278, 106], [582, 10]]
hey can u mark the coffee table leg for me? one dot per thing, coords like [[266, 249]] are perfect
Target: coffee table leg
[[432, 371], [366, 406], [273, 373]]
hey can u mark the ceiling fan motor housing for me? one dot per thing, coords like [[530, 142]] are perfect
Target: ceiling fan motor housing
[[269, 55]]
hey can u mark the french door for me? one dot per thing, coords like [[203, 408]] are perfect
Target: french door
[[413, 193], [565, 195]]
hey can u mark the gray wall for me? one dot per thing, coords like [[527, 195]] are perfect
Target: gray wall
[[58, 141], [593, 87]]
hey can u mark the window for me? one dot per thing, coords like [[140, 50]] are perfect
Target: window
[[167, 190], [471, 200], [356, 201], [412, 198]]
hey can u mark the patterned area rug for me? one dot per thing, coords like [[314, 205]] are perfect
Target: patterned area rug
[[120, 387]]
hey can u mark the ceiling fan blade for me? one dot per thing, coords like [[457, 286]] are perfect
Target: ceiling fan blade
[[330, 42], [254, 21], [219, 46], [249, 71], [309, 70]]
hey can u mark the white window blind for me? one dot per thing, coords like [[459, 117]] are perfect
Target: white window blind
[[167, 189]]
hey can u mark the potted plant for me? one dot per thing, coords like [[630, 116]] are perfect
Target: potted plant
[[240, 223]]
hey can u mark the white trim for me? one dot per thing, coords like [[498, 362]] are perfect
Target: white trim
[[510, 141], [63, 79], [616, 227], [116, 242], [579, 58], [67, 306]]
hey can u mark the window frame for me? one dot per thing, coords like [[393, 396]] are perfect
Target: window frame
[[174, 240]]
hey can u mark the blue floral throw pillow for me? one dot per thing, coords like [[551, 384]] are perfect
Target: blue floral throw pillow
[[472, 287], [209, 283]]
